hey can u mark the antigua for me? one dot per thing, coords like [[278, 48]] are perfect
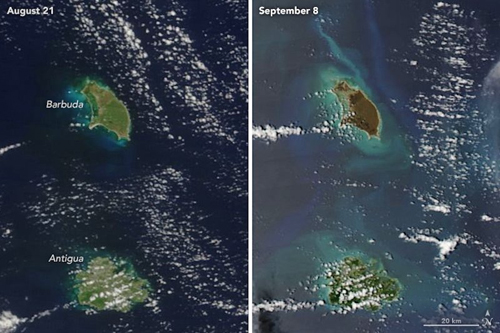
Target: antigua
[[65, 258]]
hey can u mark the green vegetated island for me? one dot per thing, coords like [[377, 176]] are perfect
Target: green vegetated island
[[359, 110], [355, 284], [110, 285], [107, 110]]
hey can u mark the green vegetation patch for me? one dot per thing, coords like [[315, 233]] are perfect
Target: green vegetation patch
[[107, 110], [355, 284], [107, 285]]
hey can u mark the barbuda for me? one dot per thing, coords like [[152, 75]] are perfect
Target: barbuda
[[64, 105], [107, 110]]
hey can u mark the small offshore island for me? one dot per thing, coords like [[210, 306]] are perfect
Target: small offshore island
[[360, 111], [110, 285], [107, 110], [355, 284]]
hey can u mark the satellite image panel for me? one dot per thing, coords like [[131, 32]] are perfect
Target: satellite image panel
[[123, 166], [376, 179]]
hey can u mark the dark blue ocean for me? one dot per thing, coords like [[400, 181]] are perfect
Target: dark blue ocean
[[172, 201]]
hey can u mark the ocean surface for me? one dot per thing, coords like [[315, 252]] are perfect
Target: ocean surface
[[422, 199], [172, 201]]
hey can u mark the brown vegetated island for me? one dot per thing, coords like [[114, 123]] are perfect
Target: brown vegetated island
[[360, 111]]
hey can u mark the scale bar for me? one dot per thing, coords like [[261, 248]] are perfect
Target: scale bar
[[451, 325]]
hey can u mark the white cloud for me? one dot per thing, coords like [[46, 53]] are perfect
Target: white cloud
[[285, 305], [7, 148], [445, 247], [487, 218], [440, 208], [9, 322], [271, 133]]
